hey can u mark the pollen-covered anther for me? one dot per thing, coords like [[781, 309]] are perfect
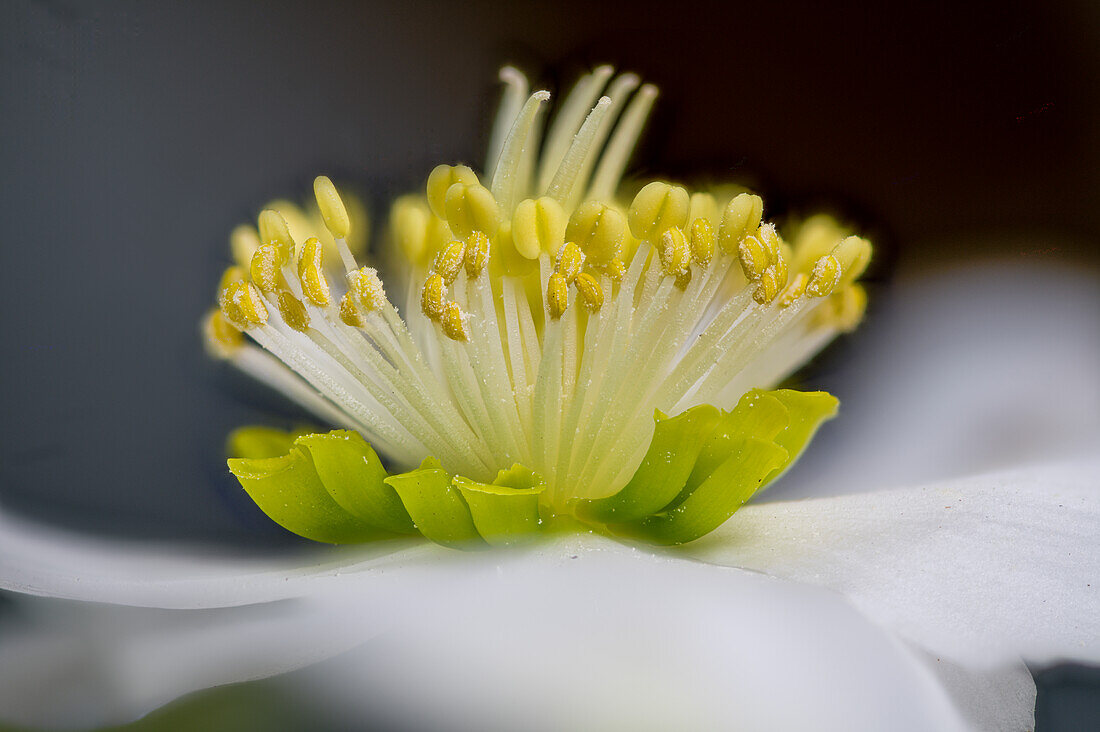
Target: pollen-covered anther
[[753, 257], [770, 239], [674, 252], [570, 262], [683, 280], [702, 241], [441, 179], [615, 269], [331, 206], [658, 207], [367, 286], [453, 321], [448, 263], [293, 312], [557, 295], [274, 229], [349, 314], [249, 303], [266, 267], [599, 230], [433, 299], [590, 291], [768, 286], [853, 254], [232, 274], [222, 337], [740, 219], [312, 274], [824, 277], [477, 254], [795, 290]]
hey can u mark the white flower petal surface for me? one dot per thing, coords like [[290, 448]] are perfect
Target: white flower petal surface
[[977, 369], [578, 633], [980, 570]]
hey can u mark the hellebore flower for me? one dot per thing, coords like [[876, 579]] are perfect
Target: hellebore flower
[[901, 609]]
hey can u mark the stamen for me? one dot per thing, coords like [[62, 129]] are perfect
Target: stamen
[[293, 312], [795, 290], [741, 218], [409, 227], [312, 275], [448, 263], [454, 323], [853, 255], [599, 230], [557, 295], [702, 241], [232, 274], [332, 208], [674, 252], [222, 338], [590, 291], [243, 243], [703, 206], [433, 300], [570, 262], [477, 254], [825, 276], [753, 257], [769, 284], [349, 314], [538, 226], [368, 289], [274, 230], [266, 268], [770, 240], [471, 207], [249, 303], [440, 181]]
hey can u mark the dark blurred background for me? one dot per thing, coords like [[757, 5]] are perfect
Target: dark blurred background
[[135, 135]]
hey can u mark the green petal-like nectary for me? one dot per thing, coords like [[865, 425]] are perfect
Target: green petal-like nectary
[[664, 471], [808, 410], [260, 442], [436, 506], [353, 475], [288, 490], [506, 510]]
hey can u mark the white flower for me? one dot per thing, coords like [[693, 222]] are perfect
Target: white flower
[[908, 608]]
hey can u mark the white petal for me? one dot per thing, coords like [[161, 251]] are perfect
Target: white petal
[[981, 570], [979, 369], [995, 699], [585, 633]]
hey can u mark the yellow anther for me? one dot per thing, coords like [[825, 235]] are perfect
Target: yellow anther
[[781, 271], [794, 290], [477, 254], [768, 286], [615, 269], [221, 336], [275, 230], [293, 312], [538, 225], [703, 241], [599, 230], [448, 262], [454, 323], [570, 262], [557, 295], [816, 237], [470, 208], [249, 302], [229, 308], [674, 252], [683, 280], [657, 208], [331, 207], [312, 273], [409, 227], [350, 314], [853, 255], [753, 257], [266, 267], [824, 277], [432, 300], [852, 305], [243, 243], [441, 179], [741, 218], [590, 290], [231, 274], [770, 239], [367, 287], [703, 206]]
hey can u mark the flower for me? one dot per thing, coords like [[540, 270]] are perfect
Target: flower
[[547, 314], [905, 609]]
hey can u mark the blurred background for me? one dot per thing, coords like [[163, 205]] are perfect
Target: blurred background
[[135, 135]]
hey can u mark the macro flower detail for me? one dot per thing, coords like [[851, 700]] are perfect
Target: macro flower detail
[[540, 323]]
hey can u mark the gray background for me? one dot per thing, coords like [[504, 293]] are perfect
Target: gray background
[[133, 136]]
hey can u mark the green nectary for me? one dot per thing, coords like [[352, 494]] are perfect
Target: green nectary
[[701, 466]]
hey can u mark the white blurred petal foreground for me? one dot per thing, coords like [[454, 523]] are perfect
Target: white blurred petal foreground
[[903, 609]]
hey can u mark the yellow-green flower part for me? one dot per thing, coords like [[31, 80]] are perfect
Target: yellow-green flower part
[[540, 322]]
